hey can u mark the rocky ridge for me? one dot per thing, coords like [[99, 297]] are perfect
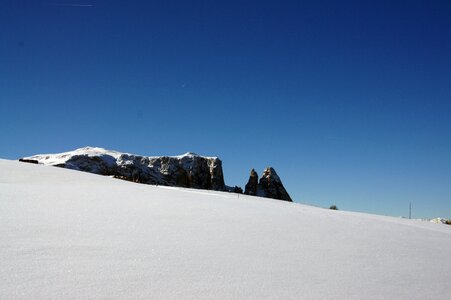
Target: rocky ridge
[[188, 170]]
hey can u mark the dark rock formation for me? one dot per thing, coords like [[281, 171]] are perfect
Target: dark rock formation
[[31, 161], [102, 164], [189, 170], [270, 185], [252, 184], [235, 189]]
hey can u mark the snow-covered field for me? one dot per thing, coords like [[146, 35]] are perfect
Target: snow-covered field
[[67, 234]]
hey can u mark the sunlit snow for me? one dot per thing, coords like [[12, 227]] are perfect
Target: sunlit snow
[[68, 234]]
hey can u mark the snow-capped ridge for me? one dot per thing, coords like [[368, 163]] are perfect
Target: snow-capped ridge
[[187, 170], [190, 154]]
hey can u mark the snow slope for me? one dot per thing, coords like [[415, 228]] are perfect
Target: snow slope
[[67, 234]]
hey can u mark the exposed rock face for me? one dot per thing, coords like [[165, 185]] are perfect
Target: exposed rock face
[[270, 185], [188, 170], [252, 184]]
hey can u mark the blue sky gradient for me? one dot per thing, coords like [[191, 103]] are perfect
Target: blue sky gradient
[[349, 101]]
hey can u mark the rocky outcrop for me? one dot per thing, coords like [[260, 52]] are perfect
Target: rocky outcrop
[[252, 184], [441, 221], [272, 186], [189, 170], [269, 186], [31, 161], [235, 189]]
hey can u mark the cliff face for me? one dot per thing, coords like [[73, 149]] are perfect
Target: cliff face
[[189, 170], [269, 186]]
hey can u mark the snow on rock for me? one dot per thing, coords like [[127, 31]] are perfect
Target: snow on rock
[[187, 170], [75, 235], [440, 221]]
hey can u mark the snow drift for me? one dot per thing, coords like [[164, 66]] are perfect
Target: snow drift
[[68, 234]]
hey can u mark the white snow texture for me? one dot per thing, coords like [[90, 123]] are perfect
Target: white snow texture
[[66, 234]]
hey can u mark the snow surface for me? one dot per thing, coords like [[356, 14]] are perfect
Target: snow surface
[[59, 158], [73, 235]]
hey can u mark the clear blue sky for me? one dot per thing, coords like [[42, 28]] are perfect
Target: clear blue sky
[[350, 101]]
